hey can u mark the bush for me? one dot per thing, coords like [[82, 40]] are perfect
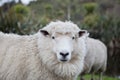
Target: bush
[[21, 9], [90, 7], [48, 6], [91, 20], [16, 20]]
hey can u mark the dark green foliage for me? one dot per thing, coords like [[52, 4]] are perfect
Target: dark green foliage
[[91, 20], [90, 7], [16, 20], [48, 6]]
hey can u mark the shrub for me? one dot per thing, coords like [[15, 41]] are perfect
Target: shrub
[[91, 20], [90, 7], [21, 9], [16, 20]]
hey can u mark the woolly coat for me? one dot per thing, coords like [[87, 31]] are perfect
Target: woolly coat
[[96, 56], [30, 58]]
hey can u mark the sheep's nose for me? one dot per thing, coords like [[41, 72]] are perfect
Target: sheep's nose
[[64, 54]]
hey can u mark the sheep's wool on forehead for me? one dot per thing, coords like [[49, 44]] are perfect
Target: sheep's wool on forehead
[[62, 27]]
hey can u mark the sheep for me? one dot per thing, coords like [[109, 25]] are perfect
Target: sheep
[[96, 57], [55, 52]]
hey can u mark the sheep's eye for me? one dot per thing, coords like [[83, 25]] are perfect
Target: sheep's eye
[[73, 37], [53, 37]]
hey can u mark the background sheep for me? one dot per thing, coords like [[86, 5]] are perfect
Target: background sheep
[[96, 58], [56, 52]]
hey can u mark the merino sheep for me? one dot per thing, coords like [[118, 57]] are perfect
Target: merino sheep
[[96, 57], [57, 51]]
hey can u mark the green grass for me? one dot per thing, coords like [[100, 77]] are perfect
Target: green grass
[[88, 77]]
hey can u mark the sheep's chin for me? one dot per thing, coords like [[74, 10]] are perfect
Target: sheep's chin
[[63, 69], [67, 69]]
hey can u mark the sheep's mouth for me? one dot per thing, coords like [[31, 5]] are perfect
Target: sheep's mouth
[[63, 60]]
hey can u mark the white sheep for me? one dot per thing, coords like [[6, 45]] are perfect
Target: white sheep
[[56, 52], [96, 57]]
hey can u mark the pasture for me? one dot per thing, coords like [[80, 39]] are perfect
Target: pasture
[[87, 77]]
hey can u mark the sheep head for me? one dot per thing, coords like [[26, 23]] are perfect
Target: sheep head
[[63, 43]]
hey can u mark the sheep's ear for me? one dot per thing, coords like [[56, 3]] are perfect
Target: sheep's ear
[[82, 33], [44, 32]]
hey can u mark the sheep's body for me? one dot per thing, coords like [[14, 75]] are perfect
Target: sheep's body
[[16, 54], [96, 57], [31, 58]]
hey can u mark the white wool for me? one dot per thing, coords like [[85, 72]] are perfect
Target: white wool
[[96, 56], [63, 27], [31, 57]]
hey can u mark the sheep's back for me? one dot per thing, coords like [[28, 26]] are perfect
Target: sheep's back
[[15, 52]]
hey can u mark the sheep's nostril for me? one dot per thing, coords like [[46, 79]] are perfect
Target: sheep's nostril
[[64, 54], [67, 54]]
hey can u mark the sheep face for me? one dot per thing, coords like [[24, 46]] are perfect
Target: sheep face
[[63, 44]]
